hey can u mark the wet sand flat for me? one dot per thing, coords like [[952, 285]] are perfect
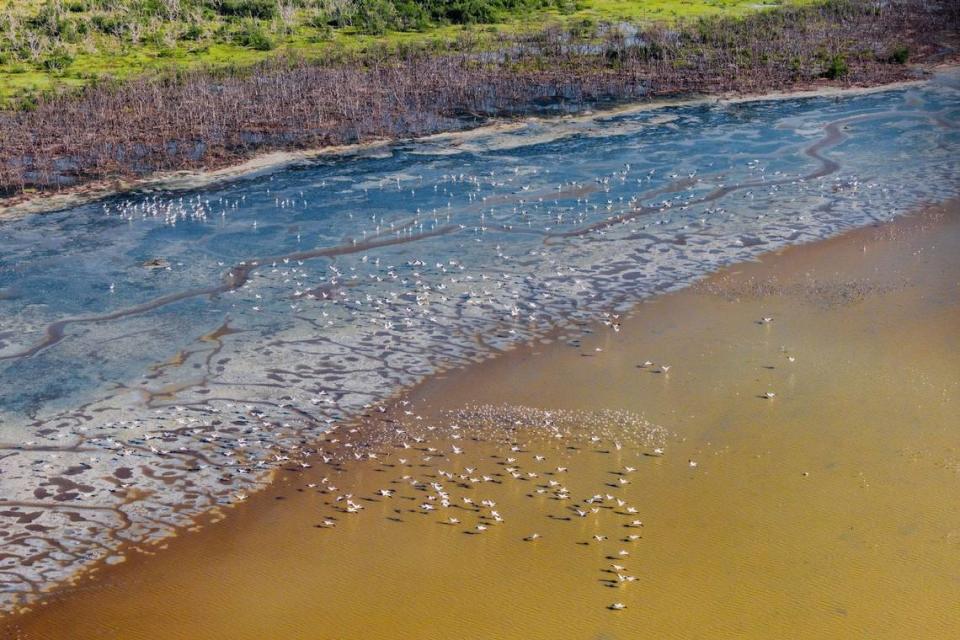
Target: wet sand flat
[[162, 352], [826, 510]]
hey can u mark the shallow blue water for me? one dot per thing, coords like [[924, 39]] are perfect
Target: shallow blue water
[[541, 179]]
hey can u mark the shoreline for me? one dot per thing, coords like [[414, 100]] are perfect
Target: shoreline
[[764, 282], [17, 207], [486, 139]]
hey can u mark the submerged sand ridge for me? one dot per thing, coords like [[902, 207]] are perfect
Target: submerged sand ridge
[[826, 510]]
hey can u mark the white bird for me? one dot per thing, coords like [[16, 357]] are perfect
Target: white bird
[[617, 606]]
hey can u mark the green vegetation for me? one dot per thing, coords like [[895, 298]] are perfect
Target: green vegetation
[[835, 67], [900, 55], [54, 44]]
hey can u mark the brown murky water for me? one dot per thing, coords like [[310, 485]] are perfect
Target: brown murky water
[[827, 511]]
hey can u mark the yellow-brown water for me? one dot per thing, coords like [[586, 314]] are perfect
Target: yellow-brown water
[[827, 511]]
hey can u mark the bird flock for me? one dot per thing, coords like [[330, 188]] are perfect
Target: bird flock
[[453, 470]]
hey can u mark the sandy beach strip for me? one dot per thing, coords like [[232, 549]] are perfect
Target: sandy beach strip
[[770, 453]]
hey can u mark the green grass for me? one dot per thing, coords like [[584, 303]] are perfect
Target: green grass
[[668, 10], [59, 61]]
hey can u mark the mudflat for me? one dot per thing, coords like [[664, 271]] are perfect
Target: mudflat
[[772, 452]]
